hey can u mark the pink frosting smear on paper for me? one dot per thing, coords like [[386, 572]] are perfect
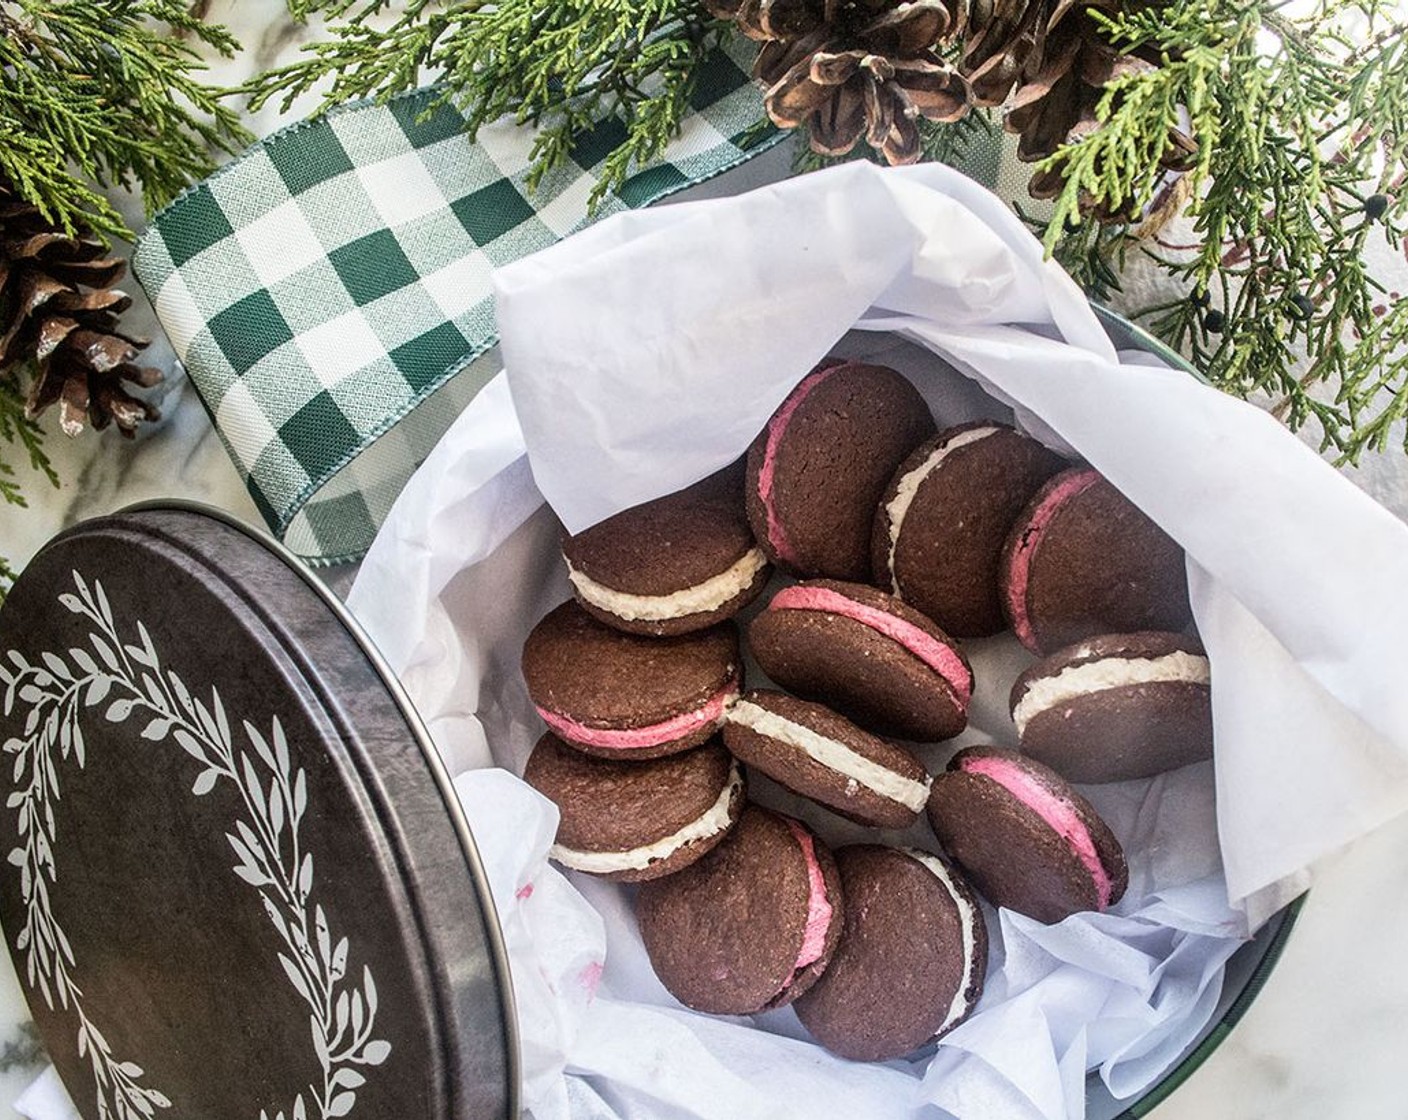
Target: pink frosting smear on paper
[[819, 909], [939, 657], [777, 536], [590, 977], [1059, 814], [1019, 570], [676, 727]]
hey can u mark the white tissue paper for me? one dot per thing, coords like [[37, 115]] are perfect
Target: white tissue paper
[[645, 353]]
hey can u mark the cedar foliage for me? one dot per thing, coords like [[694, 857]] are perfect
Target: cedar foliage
[[99, 97], [1300, 115], [561, 68]]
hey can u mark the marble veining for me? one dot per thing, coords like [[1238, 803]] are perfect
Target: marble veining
[[1327, 1035]]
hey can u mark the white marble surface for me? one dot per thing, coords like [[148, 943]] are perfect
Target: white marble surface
[[1326, 1037]]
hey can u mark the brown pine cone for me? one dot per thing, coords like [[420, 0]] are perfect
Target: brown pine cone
[[1048, 62], [59, 319], [852, 69]]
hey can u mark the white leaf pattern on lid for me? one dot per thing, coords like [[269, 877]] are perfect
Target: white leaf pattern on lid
[[126, 681]]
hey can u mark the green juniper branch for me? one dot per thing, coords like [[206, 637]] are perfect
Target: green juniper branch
[[1301, 140], [98, 96], [107, 95], [563, 68]]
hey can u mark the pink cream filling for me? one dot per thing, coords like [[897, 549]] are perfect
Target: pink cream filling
[[1019, 571], [1060, 815], [777, 536], [676, 727], [819, 910], [939, 657]]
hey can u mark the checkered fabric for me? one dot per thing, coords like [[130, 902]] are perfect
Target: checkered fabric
[[328, 291]]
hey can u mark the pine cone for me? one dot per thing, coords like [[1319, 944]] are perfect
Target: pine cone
[[59, 315], [847, 69], [1049, 63]]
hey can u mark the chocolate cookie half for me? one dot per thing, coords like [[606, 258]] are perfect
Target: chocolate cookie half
[[912, 959], [636, 820], [622, 695], [1117, 706], [866, 654], [945, 516], [1082, 560], [749, 926], [816, 472], [680, 563], [1026, 839], [819, 754]]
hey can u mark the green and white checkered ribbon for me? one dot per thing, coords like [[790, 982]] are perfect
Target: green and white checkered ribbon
[[328, 291]]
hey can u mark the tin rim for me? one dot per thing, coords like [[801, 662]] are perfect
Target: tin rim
[[1215, 1034]]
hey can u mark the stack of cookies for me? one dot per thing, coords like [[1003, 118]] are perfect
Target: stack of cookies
[[881, 544]]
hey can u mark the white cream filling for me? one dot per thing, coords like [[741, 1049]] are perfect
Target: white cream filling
[[1108, 672], [966, 919], [716, 819], [833, 755], [707, 596], [898, 506]]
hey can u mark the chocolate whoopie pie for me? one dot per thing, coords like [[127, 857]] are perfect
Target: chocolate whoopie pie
[[626, 696], [634, 821], [817, 470], [819, 754], [1082, 560], [1023, 835], [865, 653], [941, 525], [749, 926], [912, 959], [680, 563], [1117, 706]]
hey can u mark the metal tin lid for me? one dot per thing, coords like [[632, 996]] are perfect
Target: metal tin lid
[[239, 883]]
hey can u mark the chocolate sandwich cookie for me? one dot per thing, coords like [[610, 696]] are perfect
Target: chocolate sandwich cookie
[[863, 652], [1082, 560], [941, 525], [819, 754], [912, 959], [817, 470], [636, 820], [680, 563], [1025, 838], [749, 926], [625, 696], [1117, 706]]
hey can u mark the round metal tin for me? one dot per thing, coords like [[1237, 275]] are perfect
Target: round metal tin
[[239, 883]]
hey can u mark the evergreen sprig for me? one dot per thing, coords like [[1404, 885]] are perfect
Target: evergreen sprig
[[1301, 124], [95, 97], [108, 95], [563, 68]]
